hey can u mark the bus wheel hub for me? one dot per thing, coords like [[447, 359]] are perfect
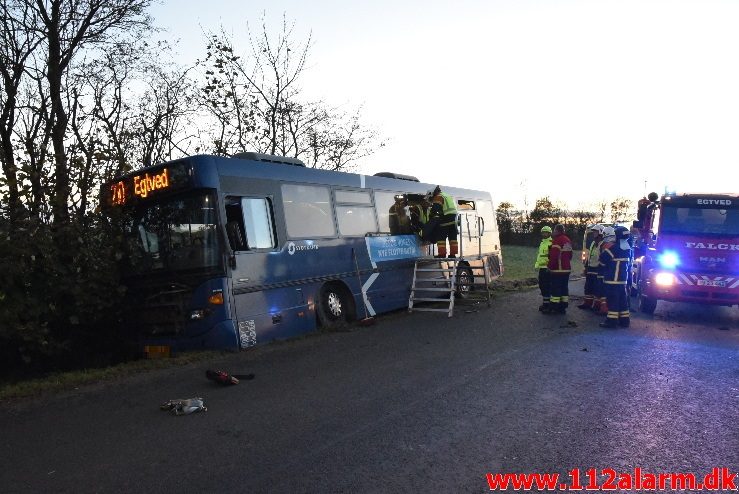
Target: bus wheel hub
[[334, 304]]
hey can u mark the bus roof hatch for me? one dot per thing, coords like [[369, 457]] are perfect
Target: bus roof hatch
[[269, 158], [396, 175]]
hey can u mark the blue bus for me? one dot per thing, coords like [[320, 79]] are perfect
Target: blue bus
[[231, 252]]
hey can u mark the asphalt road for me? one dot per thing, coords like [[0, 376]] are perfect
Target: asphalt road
[[417, 402]]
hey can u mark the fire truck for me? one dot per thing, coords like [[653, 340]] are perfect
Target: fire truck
[[692, 255]]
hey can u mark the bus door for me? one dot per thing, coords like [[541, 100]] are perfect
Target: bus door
[[258, 271], [470, 227]]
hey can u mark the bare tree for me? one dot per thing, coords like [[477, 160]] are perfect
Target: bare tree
[[257, 104], [67, 26], [601, 208], [338, 141], [163, 112], [106, 81], [227, 97], [545, 212], [620, 209], [278, 64], [33, 132], [17, 43]]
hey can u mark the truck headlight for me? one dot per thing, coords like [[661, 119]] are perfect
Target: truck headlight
[[665, 279]]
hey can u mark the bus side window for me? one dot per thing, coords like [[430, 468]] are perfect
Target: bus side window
[[259, 222], [384, 201], [464, 205], [249, 223], [355, 215], [308, 211]]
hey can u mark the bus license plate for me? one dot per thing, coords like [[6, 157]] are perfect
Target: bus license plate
[[157, 351], [718, 283]]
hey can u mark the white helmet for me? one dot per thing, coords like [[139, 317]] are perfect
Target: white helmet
[[598, 228], [609, 231]]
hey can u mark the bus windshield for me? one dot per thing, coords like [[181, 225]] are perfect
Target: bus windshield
[[700, 221], [173, 235]]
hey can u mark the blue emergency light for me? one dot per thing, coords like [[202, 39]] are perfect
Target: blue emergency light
[[669, 260]]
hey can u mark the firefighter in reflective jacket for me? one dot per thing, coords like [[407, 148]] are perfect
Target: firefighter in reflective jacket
[[601, 306], [542, 260], [442, 223], [399, 217], [591, 268], [560, 256], [615, 258], [420, 217]]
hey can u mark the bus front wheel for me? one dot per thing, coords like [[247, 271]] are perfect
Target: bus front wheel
[[333, 306]]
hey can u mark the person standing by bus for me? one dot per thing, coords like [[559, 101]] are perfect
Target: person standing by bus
[[601, 305], [560, 256], [542, 260], [591, 268], [443, 217], [616, 257]]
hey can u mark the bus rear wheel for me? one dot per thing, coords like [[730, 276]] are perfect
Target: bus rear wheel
[[465, 282], [334, 307]]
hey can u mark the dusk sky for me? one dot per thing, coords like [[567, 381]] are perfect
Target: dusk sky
[[577, 100]]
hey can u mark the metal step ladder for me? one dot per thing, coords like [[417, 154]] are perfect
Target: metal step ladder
[[433, 276], [438, 280]]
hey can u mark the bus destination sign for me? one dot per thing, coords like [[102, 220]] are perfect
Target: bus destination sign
[[147, 184]]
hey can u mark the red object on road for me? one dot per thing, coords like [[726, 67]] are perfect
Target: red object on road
[[221, 377]]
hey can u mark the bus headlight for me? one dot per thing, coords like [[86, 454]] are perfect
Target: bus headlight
[[198, 314], [665, 279]]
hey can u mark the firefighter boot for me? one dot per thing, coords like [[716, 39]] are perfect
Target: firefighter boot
[[587, 303], [453, 248], [609, 323], [554, 308], [544, 307], [562, 308], [441, 249], [624, 322]]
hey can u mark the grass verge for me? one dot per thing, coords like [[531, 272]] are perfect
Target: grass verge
[[72, 379], [518, 263]]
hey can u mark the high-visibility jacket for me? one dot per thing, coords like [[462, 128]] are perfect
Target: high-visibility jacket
[[542, 257], [560, 254], [593, 260], [421, 212], [443, 207], [450, 205]]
